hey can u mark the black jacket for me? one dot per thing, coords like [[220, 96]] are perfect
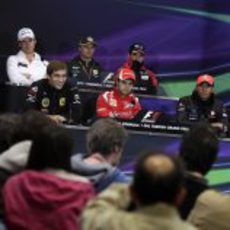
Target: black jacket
[[81, 71], [45, 98], [80, 74], [192, 109], [194, 187]]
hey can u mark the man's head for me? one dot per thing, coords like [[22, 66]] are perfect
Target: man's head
[[125, 81], [137, 52], [158, 178], [51, 149], [205, 86], [57, 74], [30, 125], [87, 47], [8, 130], [199, 148], [26, 40], [106, 137]]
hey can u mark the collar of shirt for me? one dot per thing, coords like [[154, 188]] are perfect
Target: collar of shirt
[[22, 56], [118, 95], [159, 209], [90, 63]]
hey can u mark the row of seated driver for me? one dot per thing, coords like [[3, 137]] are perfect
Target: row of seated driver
[[27, 66], [58, 97]]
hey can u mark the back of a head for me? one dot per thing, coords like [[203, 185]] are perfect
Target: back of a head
[[51, 149], [104, 136], [199, 148], [8, 129], [158, 178], [31, 123]]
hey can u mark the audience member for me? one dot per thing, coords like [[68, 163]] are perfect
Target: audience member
[[105, 144], [198, 151], [157, 191], [47, 195], [211, 211], [8, 127], [19, 134]]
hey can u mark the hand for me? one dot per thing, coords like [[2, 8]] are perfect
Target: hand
[[113, 115], [57, 118], [218, 125]]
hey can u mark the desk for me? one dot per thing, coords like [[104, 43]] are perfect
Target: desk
[[140, 140]]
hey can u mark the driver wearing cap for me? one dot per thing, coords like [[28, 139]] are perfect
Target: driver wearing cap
[[120, 103], [26, 66], [85, 70], [146, 80], [84, 67], [203, 105]]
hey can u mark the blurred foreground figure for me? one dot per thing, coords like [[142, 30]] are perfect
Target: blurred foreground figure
[[157, 190]]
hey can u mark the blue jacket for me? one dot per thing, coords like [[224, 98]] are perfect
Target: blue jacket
[[101, 175]]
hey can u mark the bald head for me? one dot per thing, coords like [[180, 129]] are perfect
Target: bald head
[[159, 164], [157, 178]]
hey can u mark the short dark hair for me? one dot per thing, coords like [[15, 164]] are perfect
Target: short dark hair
[[199, 148], [104, 136], [152, 185], [30, 124], [55, 66], [8, 130], [51, 149]]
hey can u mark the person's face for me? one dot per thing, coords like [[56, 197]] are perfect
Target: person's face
[[58, 78], [205, 91], [125, 87], [87, 51], [137, 56], [28, 45]]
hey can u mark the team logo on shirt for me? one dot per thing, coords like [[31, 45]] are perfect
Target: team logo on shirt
[[113, 102], [144, 77], [212, 114], [45, 102], [34, 89], [75, 71], [62, 101], [129, 105], [76, 99], [95, 72], [181, 107]]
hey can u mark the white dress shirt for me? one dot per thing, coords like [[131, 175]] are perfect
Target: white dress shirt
[[21, 72]]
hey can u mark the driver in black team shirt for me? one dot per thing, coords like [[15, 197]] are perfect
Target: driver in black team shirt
[[55, 96], [202, 105], [83, 67], [83, 70]]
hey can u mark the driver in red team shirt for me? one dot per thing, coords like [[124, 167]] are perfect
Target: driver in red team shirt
[[120, 103]]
